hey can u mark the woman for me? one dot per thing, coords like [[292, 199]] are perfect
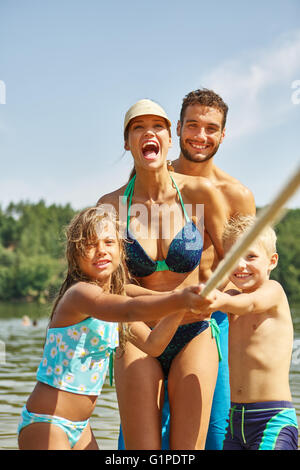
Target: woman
[[163, 253]]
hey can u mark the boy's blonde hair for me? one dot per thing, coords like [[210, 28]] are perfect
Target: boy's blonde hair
[[237, 226]]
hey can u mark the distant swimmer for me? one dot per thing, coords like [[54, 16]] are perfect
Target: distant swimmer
[[26, 320]]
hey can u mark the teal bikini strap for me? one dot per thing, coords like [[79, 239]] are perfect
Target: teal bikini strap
[[180, 199], [129, 193], [129, 189], [111, 366]]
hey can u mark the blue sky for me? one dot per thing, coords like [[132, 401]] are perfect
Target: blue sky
[[72, 68]]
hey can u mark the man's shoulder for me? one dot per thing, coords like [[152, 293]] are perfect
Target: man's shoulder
[[239, 197], [235, 190], [225, 180], [193, 187]]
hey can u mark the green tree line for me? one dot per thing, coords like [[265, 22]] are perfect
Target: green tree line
[[32, 245]]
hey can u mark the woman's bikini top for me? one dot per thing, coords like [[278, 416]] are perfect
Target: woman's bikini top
[[184, 252]]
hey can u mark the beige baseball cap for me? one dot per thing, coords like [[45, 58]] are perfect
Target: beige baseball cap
[[143, 107]]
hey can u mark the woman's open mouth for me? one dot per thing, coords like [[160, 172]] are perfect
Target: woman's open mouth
[[150, 150]]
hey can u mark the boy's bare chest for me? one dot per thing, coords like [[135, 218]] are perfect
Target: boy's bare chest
[[251, 328]]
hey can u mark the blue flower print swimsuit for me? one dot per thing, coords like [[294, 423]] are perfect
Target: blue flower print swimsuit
[[76, 359]]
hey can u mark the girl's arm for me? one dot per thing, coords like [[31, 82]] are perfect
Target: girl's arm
[[89, 300], [132, 290], [154, 342], [262, 300]]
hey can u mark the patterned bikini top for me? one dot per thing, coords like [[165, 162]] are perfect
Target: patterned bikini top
[[76, 357], [184, 252]]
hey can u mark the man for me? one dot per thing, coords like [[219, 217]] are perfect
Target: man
[[201, 130]]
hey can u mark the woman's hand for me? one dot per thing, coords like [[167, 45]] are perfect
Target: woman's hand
[[205, 306], [196, 303]]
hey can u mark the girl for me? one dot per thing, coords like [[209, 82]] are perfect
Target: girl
[[82, 334]]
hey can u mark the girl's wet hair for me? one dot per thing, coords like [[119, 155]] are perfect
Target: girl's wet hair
[[83, 230]]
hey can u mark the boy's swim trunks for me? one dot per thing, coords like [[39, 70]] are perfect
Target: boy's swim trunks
[[262, 426]]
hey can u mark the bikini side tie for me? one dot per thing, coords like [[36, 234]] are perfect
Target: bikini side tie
[[215, 333], [111, 366]]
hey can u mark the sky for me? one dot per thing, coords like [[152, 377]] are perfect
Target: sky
[[70, 69]]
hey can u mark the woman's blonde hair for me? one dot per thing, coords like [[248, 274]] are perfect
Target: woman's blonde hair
[[237, 226]]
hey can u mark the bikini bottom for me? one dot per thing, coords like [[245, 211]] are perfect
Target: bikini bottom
[[221, 401], [183, 335], [73, 429]]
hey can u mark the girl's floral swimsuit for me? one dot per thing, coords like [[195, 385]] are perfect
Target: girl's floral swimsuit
[[76, 359]]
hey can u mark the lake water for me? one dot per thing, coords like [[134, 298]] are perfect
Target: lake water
[[20, 352]]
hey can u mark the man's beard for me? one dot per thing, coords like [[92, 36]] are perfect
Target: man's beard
[[191, 158]]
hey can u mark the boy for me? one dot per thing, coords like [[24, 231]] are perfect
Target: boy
[[262, 416]]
